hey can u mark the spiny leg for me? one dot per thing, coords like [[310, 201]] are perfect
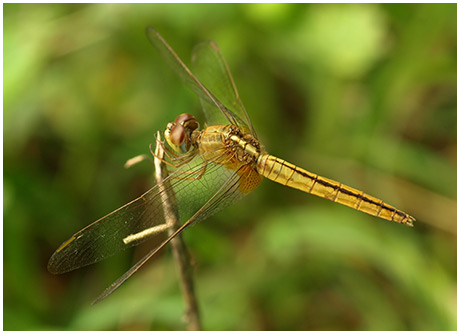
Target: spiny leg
[[177, 161]]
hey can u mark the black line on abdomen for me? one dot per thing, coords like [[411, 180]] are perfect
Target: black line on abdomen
[[345, 191]]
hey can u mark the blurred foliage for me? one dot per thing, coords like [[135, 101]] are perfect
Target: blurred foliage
[[364, 94]]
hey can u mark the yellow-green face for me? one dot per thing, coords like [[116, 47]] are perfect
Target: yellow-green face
[[177, 147]]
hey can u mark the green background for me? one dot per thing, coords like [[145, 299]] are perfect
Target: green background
[[364, 94]]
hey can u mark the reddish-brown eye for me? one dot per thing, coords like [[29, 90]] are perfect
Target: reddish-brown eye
[[188, 121], [191, 124], [177, 135], [182, 118]]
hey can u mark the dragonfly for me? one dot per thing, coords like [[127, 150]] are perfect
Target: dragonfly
[[210, 169]]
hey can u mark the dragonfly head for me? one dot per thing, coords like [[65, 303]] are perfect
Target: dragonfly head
[[178, 133]]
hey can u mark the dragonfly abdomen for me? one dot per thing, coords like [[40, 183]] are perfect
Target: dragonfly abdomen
[[292, 176]]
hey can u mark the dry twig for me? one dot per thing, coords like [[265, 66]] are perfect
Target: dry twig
[[180, 251]]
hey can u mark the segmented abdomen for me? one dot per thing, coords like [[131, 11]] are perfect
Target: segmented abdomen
[[290, 175]]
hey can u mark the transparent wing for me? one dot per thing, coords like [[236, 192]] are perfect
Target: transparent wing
[[214, 108], [211, 69], [118, 230], [236, 186]]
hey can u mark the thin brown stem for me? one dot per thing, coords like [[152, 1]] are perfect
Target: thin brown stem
[[181, 254]]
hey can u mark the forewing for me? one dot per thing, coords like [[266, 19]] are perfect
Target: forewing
[[193, 185], [212, 71], [184, 73]]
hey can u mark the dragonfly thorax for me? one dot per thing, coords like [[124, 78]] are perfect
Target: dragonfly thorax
[[228, 145], [245, 147]]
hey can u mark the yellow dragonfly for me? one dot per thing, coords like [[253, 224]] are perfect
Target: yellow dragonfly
[[213, 168]]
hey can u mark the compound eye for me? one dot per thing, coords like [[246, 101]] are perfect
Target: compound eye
[[177, 135], [182, 118], [187, 121]]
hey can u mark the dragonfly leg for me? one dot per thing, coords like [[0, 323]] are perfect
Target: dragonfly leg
[[176, 161], [199, 173], [170, 153], [165, 149]]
